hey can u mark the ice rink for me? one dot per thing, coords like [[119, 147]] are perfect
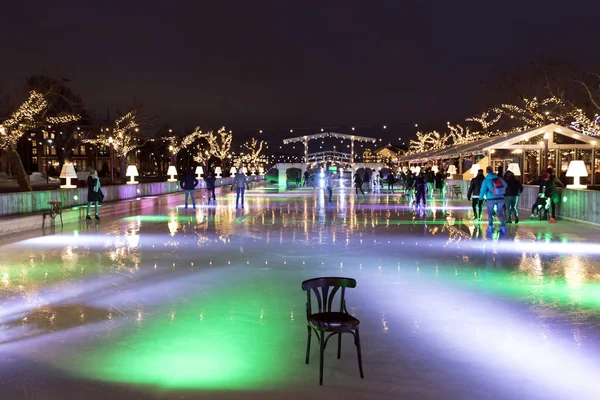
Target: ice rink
[[156, 302]]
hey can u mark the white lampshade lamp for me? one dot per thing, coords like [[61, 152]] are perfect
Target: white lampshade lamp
[[576, 170], [232, 171], [244, 171], [474, 169], [199, 171], [172, 171], [514, 168], [451, 170], [418, 169], [218, 172], [253, 171], [132, 172], [261, 171], [68, 172], [435, 169]]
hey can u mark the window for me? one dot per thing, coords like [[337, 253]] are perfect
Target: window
[[82, 150]]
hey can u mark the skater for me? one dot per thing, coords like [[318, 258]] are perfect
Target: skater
[[94, 193], [358, 183], [306, 177], [330, 187], [493, 189], [210, 187], [548, 188], [513, 191], [240, 183], [474, 192], [440, 183], [391, 179], [298, 180], [188, 183], [421, 189], [430, 180], [409, 187]]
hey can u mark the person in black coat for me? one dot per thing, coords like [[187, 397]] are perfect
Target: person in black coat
[[188, 183], [473, 192], [94, 193], [210, 186], [511, 196]]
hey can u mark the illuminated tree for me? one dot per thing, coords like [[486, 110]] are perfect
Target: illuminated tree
[[535, 113], [483, 120], [178, 143], [254, 148], [219, 144], [124, 137], [461, 135], [33, 113], [427, 141]]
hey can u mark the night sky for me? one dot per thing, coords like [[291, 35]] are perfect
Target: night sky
[[278, 65]]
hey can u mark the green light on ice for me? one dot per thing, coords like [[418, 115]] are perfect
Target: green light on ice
[[222, 343]]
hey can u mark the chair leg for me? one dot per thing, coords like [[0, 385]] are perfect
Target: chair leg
[[322, 356], [308, 344], [339, 345], [357, 342]]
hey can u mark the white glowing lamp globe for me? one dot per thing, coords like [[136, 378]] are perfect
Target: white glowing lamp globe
[[199, 171], [452, 170], [68, 172], [232, 171], [514, 168], [474, 169], [576, 170], [253, 171], [261, 170], [218, 172], [132, 172], [172, 171], [244, 171], [435, 169]]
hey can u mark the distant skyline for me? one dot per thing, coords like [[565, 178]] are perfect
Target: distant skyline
[[288, 65]]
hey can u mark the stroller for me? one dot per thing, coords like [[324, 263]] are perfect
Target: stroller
[[540, 207]]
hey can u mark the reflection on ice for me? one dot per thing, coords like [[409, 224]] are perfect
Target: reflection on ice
[[209, 299]]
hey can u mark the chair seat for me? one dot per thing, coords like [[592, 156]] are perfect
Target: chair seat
[[334, 320]]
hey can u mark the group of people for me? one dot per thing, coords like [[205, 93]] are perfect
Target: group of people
[[189, 183], [500, 191], [425, 183]]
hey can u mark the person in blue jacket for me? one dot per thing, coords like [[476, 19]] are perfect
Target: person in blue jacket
[[493, 188]]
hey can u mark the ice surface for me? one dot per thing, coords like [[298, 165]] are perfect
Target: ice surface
[[158, 302]]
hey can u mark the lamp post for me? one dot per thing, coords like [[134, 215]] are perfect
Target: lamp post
[[48, 159], [110, 155]]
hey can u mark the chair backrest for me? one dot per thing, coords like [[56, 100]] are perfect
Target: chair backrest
[[325, 290]]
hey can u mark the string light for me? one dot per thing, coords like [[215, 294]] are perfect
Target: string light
[[29, 116], [176, 143], [122, 140]]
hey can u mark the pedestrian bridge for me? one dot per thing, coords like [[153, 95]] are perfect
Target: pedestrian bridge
[[283, 169]]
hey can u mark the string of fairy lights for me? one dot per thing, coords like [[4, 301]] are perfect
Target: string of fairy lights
[[531, 114], [124, 135], [32, 113]]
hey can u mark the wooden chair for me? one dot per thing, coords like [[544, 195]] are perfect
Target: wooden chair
[[55, 209], [455, 191], [327, 321]]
